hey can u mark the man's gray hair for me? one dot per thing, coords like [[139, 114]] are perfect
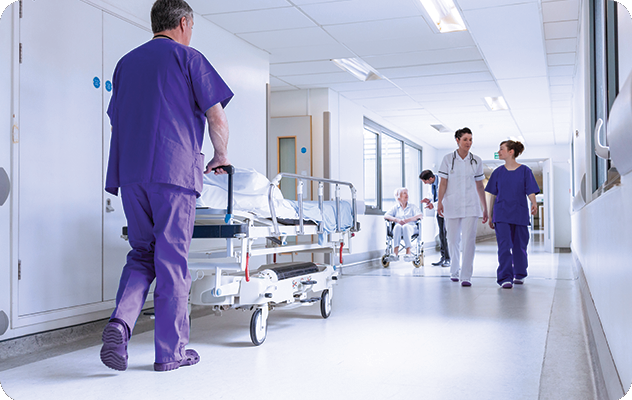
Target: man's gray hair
[[166, 14], [398, 191]]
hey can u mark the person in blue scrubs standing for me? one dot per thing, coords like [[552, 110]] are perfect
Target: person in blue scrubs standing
[[510, 185], [164, 92]]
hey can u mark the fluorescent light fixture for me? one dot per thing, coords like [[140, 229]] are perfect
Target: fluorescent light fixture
[[445, 15], [357, 68], [441, 128], [496, 103]]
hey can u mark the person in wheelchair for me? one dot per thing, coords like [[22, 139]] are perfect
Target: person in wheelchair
[[404, 217]]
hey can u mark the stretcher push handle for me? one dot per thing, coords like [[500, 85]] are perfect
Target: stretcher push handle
[[230, 170]]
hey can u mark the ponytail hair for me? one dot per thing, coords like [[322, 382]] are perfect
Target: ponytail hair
[[516, 146]]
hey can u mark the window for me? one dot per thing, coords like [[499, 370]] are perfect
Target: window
[[392, 172], [370, 168], [390, 162], [604, 56]]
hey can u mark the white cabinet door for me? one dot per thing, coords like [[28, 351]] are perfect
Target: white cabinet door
[[119, 37], [60, 156]]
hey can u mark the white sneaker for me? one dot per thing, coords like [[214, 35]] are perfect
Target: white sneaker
[[393, 258], [408, 257]]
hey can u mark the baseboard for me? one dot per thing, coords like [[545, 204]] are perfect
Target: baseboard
[[607, 381]]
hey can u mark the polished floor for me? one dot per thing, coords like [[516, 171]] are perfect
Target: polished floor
[[394, 333]]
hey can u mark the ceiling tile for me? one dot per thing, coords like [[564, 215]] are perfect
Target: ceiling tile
[[271, 40], [375, 93], [437, 56], [561, 30], [562, 89], [309, 53], [411, 44], [514, 48], [488, 88], [336, 77], [562, 70], [261, 20], [561, 45], [562, 59], [303, 68], [560, 11], [560, 80], [477, 4], [344, 12], [415, 27], [435, 69], [526, 92], [222, 6], [452, 78]]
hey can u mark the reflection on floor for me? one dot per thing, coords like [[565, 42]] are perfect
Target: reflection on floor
[[394, 333]]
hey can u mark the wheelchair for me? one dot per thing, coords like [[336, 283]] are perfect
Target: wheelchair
[[417, 246]]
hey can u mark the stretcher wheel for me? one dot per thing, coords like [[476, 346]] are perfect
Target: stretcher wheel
[[385, 261], [325, 304], [258, 327]]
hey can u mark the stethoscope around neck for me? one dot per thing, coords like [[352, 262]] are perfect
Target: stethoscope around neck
[[472, 160]]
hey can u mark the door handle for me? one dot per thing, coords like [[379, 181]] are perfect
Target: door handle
[[600, 150], [108, 206]]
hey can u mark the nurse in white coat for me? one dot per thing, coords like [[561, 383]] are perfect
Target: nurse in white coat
[[462, 203]]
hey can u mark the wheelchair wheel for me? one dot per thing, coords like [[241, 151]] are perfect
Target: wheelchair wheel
[[385, 262], [418, 261]]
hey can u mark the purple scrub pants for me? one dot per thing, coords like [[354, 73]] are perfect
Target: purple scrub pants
[[512, 251], [160, 221]]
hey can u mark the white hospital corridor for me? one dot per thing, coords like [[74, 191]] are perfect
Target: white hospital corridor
[[394, 333], [315, 199]]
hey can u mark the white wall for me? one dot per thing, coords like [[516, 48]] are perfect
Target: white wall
[[246, 70], [601, 235], [347, 151], [6, 37]]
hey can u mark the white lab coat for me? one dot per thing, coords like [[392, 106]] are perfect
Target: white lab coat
[[461, 197]]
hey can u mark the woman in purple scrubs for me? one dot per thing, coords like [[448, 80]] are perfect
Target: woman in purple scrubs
[[510, 185]]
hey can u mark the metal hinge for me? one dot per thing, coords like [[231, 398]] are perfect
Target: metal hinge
[[19, 270], [20, 8], [20, 53]]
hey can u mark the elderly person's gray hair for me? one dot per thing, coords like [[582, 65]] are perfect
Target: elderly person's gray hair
[[399, 191], [166, 14]]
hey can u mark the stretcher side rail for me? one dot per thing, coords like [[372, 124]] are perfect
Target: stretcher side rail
[[299, 192]]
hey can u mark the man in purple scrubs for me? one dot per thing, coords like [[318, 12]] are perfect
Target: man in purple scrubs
[[163, 94]]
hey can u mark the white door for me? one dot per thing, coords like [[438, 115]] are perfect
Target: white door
[[549, 228], [119, 37], [60, 156], [290, 150]]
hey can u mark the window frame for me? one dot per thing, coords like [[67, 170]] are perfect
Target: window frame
[[380, 131]]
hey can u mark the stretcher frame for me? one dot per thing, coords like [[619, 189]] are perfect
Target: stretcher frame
[[222, 278]]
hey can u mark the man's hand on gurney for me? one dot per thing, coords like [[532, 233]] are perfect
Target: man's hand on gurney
[[217, 161]]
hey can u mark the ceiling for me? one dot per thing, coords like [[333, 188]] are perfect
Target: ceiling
[[523, 50]]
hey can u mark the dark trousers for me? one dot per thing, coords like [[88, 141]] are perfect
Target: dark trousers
[[445, 253], [512, 251]]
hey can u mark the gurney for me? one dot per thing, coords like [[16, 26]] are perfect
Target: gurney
[[222, 278]]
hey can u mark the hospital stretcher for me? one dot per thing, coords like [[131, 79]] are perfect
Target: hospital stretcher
[[223, 279]]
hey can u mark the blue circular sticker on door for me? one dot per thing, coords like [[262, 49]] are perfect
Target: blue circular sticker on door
[[108, 86], [303, 150], [96, 82]]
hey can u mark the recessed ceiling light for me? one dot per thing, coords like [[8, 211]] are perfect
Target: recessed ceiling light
[[496, 103], [357, 68], [445, 15], [441, 128]]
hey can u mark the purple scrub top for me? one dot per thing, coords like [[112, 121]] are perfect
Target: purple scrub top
[[161, 92], [511, 189]]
